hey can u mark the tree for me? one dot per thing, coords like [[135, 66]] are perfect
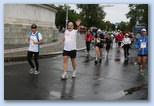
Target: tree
[[60, 22], [113, 28], [61, 16], [124, 26], [108, 25], [138, 12], [92, 15]]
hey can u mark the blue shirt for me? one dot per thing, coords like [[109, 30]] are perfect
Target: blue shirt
[[142, 45]]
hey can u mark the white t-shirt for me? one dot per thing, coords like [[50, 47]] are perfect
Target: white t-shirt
[[70, 40], [33, 38], [126, 41]]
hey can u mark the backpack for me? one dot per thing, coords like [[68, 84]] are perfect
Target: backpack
[[36, 34]]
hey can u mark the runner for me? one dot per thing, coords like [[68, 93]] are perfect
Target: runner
[[99, 43], [89, 37], [142, 46], [126, 45], [70, 48], [108, 42], [34, 39], [119, 39]]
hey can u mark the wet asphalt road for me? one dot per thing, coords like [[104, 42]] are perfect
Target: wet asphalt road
[[113, 79]]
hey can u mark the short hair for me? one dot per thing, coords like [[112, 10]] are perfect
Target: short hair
[[33, 26]]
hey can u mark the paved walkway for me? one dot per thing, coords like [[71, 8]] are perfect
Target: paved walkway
[[112, 80]]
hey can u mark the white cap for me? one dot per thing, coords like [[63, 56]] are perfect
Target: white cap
[[127, 34], [99, 30], [143, 30]]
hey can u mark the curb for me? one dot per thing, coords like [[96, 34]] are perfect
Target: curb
[[23, 58]]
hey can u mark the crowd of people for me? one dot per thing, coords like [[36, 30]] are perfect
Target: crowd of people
[[100, 40]]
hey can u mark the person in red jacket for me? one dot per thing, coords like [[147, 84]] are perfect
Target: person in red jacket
[[119, 38], [88, 38]]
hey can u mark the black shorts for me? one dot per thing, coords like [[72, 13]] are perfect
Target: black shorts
[[142, 55], [71, 53], [100, 45]]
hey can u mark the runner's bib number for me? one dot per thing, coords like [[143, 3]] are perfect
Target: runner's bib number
[[98, 41], [143, 45]]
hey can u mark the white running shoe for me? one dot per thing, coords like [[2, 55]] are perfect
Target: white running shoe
[[36, 72], [64, 76], [31, 71], [74, 74]]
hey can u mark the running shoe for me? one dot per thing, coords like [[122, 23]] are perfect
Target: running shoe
[[31, 71], [96, 62], [36, 72], [64, 76], [74, 74], [100, 60]]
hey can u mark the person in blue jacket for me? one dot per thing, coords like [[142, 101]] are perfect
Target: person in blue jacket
[[142, 46]]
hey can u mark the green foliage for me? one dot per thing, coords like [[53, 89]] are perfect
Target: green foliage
[[61, 16], [92, 15], [138, 12], [124, 26]]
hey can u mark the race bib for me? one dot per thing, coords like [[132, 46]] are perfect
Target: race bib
[[98, 40], [143, 45]]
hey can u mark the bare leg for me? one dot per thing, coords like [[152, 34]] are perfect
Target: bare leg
[[74, 67], [100, 57], [139, 59], [65, 63], [65, 66], [74, 63], [144, 62], [97, 53]]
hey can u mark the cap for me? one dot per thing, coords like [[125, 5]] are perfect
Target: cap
[[127, 34], [99, 30], [143, 30]]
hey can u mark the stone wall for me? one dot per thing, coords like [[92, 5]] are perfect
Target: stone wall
[[19, 17], [17, 34]]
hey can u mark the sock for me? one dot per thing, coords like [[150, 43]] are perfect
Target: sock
[[96, 58], [74, 72]]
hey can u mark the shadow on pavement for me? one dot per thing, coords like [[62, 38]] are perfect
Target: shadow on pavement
[[135, 89]]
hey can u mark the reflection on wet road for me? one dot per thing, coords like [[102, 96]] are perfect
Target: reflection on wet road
[[113, 79]]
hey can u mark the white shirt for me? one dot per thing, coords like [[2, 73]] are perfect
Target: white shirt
[[70, 40], [34, 47], [126, 41]]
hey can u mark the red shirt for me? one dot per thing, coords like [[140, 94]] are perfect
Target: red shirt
[[119, 37], [89, 37]]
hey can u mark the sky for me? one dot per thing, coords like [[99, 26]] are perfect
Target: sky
[[117, 13], [114, 12]]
